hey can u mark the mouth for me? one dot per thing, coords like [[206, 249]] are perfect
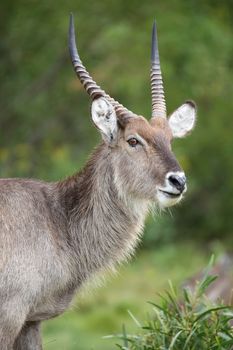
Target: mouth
[[172, 191], [170, 194], [167, 197]]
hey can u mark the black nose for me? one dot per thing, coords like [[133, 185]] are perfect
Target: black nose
[[177, 181]]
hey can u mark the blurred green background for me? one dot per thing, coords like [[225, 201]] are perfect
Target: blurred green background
[[45, 129]]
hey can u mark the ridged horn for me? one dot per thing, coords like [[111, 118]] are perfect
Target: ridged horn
[[93, 90], [157, 92]]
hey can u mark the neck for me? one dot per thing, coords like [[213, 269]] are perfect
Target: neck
[[104, 225]]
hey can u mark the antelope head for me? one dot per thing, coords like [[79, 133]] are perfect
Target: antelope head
[[143, 162]]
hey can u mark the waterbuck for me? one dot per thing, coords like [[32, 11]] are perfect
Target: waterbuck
[[56, 236]]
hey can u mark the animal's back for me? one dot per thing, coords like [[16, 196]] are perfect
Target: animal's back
[[24, 212], [29, 238], [34, 269]]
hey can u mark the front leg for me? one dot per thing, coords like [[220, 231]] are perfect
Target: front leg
[[29, 338]]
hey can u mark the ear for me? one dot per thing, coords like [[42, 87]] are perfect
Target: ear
[[182, 121], [105, 119]]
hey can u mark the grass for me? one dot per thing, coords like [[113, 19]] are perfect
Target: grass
[[190, 322], [102, 311]]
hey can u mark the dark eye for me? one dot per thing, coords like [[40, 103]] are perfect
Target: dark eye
[[133, 142]]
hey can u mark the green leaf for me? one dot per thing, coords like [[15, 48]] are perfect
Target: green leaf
[[204, 284], [209, 311], [174, 339]]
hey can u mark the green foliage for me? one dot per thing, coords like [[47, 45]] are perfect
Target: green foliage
[[189, 322]]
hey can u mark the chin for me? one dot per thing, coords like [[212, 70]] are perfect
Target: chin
[[165, 200]]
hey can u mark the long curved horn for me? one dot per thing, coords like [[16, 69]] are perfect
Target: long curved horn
[[157, 92], [86, 80]]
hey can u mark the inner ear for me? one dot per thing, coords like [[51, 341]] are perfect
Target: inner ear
[[104, 117], [182, 120]]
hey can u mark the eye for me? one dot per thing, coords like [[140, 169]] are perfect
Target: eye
[[133, 142]]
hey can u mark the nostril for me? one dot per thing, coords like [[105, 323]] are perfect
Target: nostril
[[177, 181]]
